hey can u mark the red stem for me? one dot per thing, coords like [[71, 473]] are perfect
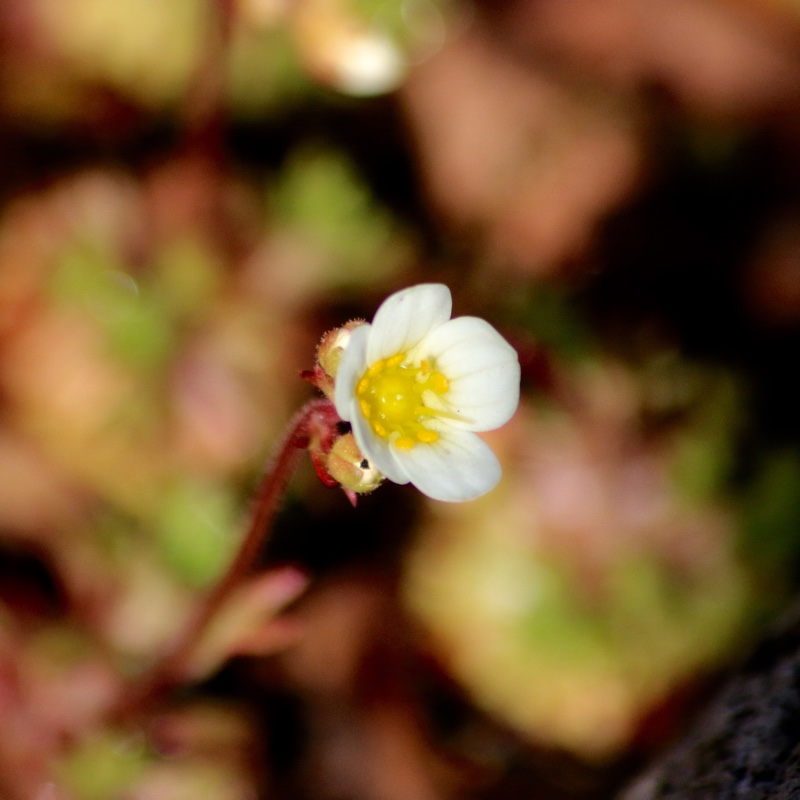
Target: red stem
[[314, 418]]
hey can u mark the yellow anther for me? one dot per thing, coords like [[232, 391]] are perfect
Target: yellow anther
[[379, 429], [439, 383], [395, 397]]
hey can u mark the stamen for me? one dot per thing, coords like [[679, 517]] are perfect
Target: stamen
[[379, 429], [439, 383], [396, 397]]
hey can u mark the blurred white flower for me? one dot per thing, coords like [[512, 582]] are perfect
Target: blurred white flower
[[416, 386]]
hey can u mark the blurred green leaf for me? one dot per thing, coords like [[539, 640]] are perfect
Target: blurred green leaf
[[186, 277], [321, 196], [103, 767], [137, 326], [196, 529], [115, 43], [549, 313], [558, 627], [406, 22], [264, 72], [771, 511]]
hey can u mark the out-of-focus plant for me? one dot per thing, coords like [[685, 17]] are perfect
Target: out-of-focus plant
[[153, 313], [147, 328], [328, 227], [275, 52], [603, 574], [135, 364], [136, 391]]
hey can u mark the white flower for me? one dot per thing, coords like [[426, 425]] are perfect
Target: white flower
[[416, 385]]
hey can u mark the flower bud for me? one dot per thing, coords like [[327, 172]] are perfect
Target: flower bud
[[332, 347], [347, 465]]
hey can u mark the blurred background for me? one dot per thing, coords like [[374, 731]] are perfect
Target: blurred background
[[192, 192]]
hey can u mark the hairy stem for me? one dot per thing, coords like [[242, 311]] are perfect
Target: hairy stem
[[171, 669]]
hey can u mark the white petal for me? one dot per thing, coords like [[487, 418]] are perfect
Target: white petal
[[349, 372], [460, 466], [405, 318], [482, 369], [377, 451], [350, 369]]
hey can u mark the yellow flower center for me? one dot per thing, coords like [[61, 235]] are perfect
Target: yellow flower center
[[391, 395]]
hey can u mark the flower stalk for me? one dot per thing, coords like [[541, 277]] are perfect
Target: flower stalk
[[315, 424]]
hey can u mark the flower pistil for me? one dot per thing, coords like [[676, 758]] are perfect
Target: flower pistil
[[398, 399]]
